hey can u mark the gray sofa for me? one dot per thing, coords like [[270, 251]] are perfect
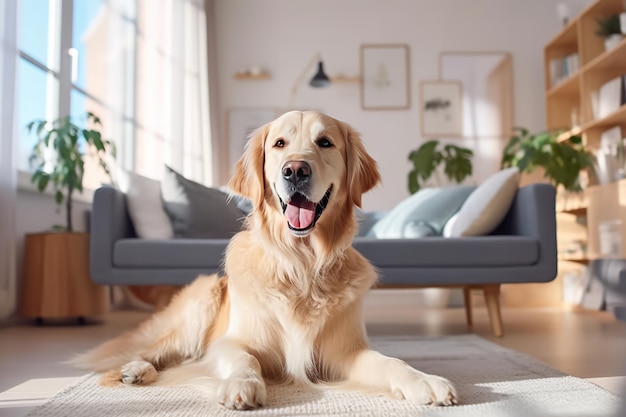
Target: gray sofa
[[522, 249]]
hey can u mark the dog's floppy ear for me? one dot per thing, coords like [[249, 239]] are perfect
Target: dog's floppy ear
[[363, 172], [248, 179]]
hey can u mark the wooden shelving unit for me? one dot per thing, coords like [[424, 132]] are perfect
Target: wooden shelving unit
[[569, 102], [569, 108]]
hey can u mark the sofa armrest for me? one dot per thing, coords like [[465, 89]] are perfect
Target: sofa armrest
[[110, 222], [533, 214]]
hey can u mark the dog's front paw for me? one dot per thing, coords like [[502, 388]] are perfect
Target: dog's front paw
[[138, 373], [242, 393], [427, 389]]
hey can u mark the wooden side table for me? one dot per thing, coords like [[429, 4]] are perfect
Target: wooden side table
[[56, 281]]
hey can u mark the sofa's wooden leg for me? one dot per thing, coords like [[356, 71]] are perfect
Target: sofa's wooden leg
[[492, 299], [467, 297]]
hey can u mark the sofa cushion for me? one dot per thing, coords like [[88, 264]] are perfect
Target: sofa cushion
[[197, 211], [367, 219], [485, 208], [422, 214], [462, 252], [172, 253], [143, 199]]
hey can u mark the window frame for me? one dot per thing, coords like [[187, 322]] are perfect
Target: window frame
[[58, 99]]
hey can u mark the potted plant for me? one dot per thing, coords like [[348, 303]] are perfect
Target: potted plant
[[54, 262], [562, 161], [456, 160], [610, 29], [57, 157]]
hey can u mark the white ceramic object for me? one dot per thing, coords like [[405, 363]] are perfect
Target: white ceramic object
[[612, 41]]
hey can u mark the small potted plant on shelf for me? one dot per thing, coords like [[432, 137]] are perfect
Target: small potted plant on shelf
[[562, 162], [610, 29], [456, 160], [58, 156]]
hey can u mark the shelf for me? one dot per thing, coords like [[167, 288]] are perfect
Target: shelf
[[567, 36], [616, 118], [603, 7], [570, 86], [245, 76], [565, 136], [577, 259], [613, 58], [344, 79]]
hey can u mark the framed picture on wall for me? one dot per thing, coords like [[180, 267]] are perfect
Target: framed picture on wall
[[385, 77], [241, 124], [440, 109]]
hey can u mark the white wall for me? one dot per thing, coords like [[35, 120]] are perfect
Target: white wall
[[283, 35]]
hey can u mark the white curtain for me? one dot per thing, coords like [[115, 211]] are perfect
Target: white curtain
[[172, 89], [8, 169]]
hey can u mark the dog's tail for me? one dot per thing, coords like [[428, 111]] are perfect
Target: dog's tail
[[176, 333]]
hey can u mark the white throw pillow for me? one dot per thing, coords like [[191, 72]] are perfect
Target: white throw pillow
[[447, 229], [143, 198], [486, 207]]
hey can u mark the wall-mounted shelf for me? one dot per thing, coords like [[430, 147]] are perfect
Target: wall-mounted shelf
[[345, 79], [248, 76]]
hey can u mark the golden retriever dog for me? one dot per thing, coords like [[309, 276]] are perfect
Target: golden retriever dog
[[289, 309]]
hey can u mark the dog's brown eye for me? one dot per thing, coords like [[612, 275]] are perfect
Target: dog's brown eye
[[324, 142], [279, 143]]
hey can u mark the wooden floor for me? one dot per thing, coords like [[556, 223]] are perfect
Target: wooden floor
[[581, 344]]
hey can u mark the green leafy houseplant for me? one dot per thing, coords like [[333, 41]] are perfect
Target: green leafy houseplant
[[608, 26], [58, 156], [457, 163], [562, 161]]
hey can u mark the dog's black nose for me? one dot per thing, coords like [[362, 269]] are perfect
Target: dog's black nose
[[296, 171]]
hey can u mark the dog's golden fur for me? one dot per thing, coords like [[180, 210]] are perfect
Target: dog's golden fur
[[290, 306]]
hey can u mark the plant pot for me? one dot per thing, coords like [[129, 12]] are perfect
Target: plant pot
[[612, 41]]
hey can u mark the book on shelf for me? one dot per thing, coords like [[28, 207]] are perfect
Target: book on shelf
[[609, 98], [561, 68], [610, 156]]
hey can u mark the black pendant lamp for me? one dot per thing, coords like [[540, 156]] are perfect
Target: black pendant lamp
[[320, 79]]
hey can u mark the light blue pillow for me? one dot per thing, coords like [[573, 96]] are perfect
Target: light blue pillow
[[425, 213]]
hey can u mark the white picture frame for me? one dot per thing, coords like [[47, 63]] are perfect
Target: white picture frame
[[441, 112], [385, 77]]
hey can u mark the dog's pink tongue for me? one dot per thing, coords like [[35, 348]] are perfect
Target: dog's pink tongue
[[300, 212]]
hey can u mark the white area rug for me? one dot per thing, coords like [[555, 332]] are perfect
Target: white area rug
[[491, 381]]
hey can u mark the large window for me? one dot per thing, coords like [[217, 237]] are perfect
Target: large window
[[80, 58], [139, 65]]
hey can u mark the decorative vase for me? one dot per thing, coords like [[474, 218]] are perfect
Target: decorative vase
[[612, 41]]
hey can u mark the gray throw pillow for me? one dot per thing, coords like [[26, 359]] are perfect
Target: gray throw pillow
[[424, 213], [367, 219], [197, 211]]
